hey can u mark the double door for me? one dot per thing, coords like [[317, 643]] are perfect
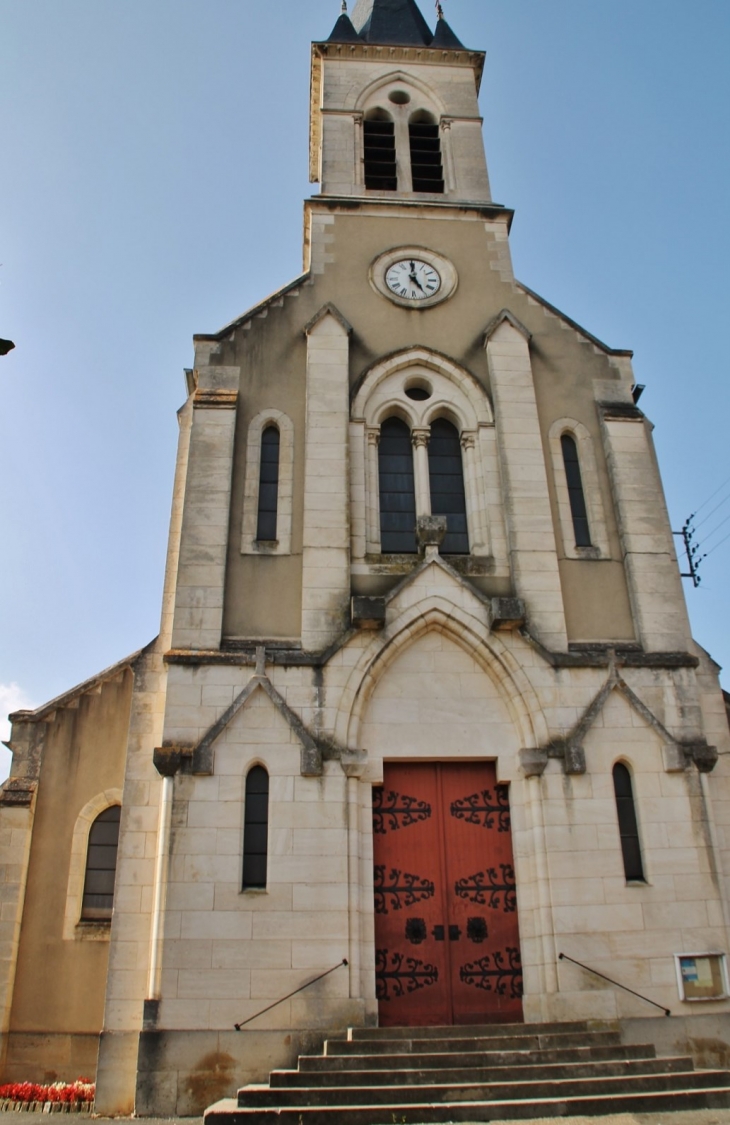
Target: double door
[[447, 947]]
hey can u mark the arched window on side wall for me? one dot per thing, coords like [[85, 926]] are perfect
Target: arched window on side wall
[[446, 475], [268, 486], [256, 829], [397, 489], [101, 866], [575, 491], [627, 824], [380, 163], [426, 162]]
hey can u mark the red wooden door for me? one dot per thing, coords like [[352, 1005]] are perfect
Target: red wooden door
[[446, 929]]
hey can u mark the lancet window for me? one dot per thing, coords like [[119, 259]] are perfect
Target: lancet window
[[397, 489], [268, 485], [576, 494], [256, 829], [628, 824], [101, 866], [446, 479]]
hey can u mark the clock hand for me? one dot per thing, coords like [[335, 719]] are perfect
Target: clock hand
[[415, 279]]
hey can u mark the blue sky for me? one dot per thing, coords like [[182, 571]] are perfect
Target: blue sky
[[154, 162]]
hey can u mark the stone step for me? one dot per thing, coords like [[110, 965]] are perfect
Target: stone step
[[468, 1059], [227, 1112], [263, 1097], [470, 1044], [478, 1031], [528, 1072]]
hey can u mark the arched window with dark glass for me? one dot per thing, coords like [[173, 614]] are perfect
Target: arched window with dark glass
[[256, 829], [101, 866], [426, 162], [627, 824], [380, 163], [578, 508], [446, 476], [268, 485], [397, 489]]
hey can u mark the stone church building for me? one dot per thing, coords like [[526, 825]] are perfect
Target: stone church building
[[425, 708]]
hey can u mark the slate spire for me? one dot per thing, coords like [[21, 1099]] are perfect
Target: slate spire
[[398, 23], [444, 36]]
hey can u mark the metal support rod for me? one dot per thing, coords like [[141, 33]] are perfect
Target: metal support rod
[[276, 1003], [158, 906], [565, 957]]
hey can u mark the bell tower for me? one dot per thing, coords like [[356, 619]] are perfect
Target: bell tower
[[394, 111]]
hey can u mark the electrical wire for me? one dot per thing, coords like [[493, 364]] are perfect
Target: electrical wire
[[712, 549], [712, 512], [709, 498], [715, 530]]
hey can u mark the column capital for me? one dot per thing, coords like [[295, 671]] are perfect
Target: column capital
[[373, 435], [468, 440], [420, 438]]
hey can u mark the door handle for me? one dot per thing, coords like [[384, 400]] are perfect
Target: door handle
[[438, 933], [454, 933]]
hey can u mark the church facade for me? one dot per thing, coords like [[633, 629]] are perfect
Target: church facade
[[425, 711]]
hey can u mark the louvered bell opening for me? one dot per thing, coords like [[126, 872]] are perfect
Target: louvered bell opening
[[446, 474], [101, 866], [380, 167], [397, 490], [426, 165]]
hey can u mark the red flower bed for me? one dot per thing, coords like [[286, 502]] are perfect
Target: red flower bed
[[82, 1090]]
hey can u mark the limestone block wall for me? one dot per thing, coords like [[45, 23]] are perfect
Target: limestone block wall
[[352, 86]]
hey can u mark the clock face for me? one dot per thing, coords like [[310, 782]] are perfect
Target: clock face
[[413, 279]]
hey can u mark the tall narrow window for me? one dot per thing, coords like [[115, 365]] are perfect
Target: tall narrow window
[[397, 491], [380, 165], [101, 866], [575, 491], [426, 164], [268, 485], [627, 824], [256, 829], [446, 474]]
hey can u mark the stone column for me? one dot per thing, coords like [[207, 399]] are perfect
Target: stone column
[[420, 439], [655, 587], [530, 531], [474, 506], [326, 536], [201, 575], [373, 491]]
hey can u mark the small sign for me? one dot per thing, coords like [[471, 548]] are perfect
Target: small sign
[[702, 976]]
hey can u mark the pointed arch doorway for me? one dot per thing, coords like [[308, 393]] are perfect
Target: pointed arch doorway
[[447, 947]]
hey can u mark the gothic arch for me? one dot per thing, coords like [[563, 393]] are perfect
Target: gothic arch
[[424, 358], [360, 101], [459, 625]]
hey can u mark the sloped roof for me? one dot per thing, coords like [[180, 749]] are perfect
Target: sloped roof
[[344, 32], [395, 22], [444, 37]]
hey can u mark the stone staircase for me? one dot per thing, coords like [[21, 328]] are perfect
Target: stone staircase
[[412, 1076]]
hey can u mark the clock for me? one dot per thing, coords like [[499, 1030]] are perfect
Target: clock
[[413, 277]]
